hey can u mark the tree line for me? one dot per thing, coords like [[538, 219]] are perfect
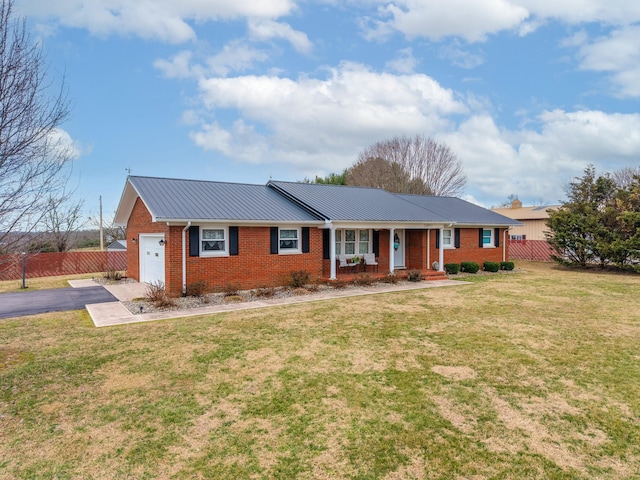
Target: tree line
[[599, 223]]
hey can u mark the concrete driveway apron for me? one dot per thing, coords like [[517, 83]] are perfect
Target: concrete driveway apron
[[19, 304]]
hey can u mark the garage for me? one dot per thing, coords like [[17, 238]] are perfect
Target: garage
[[152, 258]]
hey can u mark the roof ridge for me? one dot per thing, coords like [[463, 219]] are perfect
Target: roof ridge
[[195, 180]]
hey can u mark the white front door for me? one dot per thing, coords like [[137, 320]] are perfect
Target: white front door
[[398, 248], [151, 258]]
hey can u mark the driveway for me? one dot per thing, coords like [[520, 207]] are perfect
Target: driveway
[[19, 304]]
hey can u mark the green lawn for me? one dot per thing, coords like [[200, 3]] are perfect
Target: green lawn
[[530, 375]]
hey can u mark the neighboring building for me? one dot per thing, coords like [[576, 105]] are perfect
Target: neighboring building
[[117, 246], [528, 241], [183, 231]]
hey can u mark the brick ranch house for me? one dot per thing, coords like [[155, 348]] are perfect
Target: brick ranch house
[[184, 231]]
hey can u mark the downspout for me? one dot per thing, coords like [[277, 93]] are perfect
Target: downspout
[[428, 248], [504, 244], [184, 259]]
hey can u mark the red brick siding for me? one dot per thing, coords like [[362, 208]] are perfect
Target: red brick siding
[[140, 222], [469, 250]]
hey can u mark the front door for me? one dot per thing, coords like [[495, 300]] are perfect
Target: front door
[[398, 249], [151, 258]]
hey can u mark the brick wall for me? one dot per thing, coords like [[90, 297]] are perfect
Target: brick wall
[[469, 250], [61, 263]]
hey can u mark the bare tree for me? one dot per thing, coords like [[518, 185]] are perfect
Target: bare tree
[[61, 222], [33, 154], [404, 164], [625, 176]]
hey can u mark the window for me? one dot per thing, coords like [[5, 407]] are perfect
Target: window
[[517, 237], [213, 242], [289, 240], [447, 238], [353, 242], [487, 237]]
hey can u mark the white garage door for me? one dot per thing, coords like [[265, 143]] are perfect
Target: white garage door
[[151, 259]]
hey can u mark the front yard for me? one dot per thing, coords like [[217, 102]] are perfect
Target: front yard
[[530, 375]]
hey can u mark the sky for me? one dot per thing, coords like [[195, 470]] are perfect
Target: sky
[[526, 93]]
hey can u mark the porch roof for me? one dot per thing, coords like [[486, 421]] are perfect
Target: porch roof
[[341, 203]]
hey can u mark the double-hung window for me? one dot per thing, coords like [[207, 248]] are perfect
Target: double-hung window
[[289, 240], [353, 242], [447, 238], [487, 237], [213, 241]]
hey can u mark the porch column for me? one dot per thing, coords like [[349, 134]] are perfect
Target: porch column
[[332, 252], [391, 251], [441, 250], [428, 249]]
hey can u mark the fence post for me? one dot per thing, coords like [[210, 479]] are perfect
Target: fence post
[[24, 269]]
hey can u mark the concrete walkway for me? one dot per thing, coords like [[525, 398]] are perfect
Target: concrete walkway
[[114, 313]]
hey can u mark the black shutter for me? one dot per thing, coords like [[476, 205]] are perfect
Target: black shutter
[[496, 234], [480, 232], [457, 238], [274, 240], [305, 239], [233, 241], [376, 243], [326, 239], [438, 238], [194, 241]]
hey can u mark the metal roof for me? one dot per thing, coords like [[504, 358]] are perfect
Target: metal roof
[[173, 199], [527, 213], [357, 204], [460, 211]]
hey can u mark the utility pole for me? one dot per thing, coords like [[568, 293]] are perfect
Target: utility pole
[[101, 230]]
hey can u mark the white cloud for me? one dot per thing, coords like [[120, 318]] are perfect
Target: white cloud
[[461, 57], [268, 29], [323, 123], [404, 62], [164, 20], [618, 54]]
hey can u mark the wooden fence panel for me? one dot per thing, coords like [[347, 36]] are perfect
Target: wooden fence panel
[[530, 250], [61, 263]]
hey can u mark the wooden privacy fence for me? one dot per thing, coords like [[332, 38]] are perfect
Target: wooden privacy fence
[[530, 250], [60, 263]]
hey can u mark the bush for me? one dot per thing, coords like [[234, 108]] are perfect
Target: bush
[[338, 284], [469, 267], [265, 292], [363, 280], [507, 266], [196, 289], [390, 278], [451, 268], [231, 290], [299, 278], [414, 276], [156, 293], [491, 266], [113, 275]]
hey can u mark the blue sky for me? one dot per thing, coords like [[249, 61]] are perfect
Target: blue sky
[[527, 93]]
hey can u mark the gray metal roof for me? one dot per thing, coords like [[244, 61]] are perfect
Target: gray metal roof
[[460, 211], [174, 199], [357, 204]]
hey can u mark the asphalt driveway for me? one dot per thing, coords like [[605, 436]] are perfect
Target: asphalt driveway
[[19, 304]]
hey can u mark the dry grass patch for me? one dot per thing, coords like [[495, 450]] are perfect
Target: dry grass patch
[[530, 375]]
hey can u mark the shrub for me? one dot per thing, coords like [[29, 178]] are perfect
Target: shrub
[[390, 278], [363, 280], [196, 289], [451, 268], [491, 266], [469, 267], [231, 290], [265, 292], [156, 293], [113, 275], [338, 284], [299, 278], [414, 276], [507, 266]]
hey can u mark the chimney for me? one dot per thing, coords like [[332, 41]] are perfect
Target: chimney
[[516, 203]]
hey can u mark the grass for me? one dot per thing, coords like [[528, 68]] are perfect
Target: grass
[[530, 375], [42, 283]]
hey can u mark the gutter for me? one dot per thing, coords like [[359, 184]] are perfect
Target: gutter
[[184, 259]]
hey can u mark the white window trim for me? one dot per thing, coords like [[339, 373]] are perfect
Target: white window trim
[[290, 251], [492, 242], [356, 243], [452, 245], [215, 253]]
